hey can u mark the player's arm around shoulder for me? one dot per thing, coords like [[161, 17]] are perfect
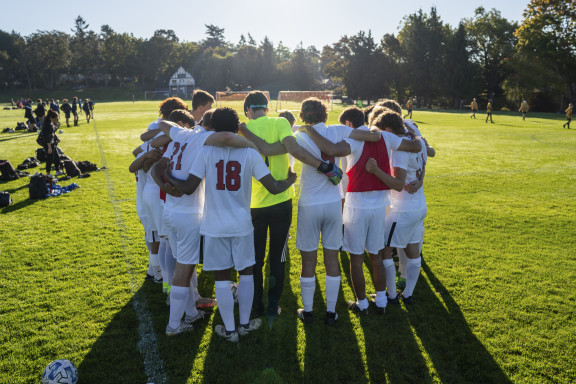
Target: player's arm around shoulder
[[228, 139], [395, 182], [261, 145], [413, 145], [339, 149], [371, 135], [278, 186]]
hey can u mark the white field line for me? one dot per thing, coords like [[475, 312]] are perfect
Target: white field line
[[148, 345]]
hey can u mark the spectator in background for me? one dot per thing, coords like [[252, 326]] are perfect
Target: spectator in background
[[66, 108], [91, 104], [75, 110], [86, 109], [40, 112], [28, 114], [49, 127], [54, 106]]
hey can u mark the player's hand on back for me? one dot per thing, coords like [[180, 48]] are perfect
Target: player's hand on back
[[371, 165], [292, 176], [242, 128], [414, 186]]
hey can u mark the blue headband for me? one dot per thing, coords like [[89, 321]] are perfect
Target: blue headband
[[259, 106]]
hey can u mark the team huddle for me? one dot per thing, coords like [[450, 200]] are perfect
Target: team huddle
[[208, 195]]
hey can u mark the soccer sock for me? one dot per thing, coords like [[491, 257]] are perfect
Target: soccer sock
[[332, 286], [178, 299], [245, 297], [190, 309], [225, 304], [170, 262], [155, 263], [162, 258], [363, 304], [412, 273], [390, 277], [194, 285], [402, 261], [381, 299], [307, 288]]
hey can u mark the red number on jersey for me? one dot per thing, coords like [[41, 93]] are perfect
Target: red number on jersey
[[179, 162], [233, 181]]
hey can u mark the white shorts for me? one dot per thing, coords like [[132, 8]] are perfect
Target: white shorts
[[403, 228], [313, 220], [154, 206], [363, 230], [222, 253], [183, 230]]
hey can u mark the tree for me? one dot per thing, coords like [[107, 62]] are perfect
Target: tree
[[492, 44], [48, 56], [119, 54], [85, 50], [460, 73], [215, 37], [547, 46], [11, 51]]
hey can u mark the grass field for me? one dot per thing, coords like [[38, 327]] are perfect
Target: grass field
[[494, 304]]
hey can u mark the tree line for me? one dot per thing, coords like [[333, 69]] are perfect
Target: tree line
[[485, 56]]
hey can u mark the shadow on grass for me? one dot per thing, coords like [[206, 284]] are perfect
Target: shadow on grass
[[455, 352], [19, 205]]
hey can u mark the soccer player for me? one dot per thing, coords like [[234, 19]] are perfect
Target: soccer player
[[226, 221], [474, 108], [201, 102], [86, 108], [523, 109], [407, 210], [366, 201], [274, 138], [320, 208], [75, 110], [409, 108], [568, 116], [489, 111]]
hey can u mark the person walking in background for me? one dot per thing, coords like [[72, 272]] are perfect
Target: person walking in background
[[409, 108], [66, 108], [568, 116], [473, 107], [489, 111], [523, 109]]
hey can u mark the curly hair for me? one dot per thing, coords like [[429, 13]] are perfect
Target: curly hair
[[352, 114], [367, 112], [313, 111], [376, 111], [391, 104], [181, 115], [225, 119], [391, 120], [171, 104]]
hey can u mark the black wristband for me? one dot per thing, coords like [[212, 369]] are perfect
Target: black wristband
[[323, 167]]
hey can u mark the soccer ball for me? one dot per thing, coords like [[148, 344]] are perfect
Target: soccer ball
[[60, 372], [61, 131]]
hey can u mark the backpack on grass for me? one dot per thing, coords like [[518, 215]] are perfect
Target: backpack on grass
[[72, 169], [8, 171], [5, 199], [86, 166], [37, 187], [41, 154]]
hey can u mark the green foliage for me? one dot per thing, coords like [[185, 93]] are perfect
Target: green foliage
[[491, 304]]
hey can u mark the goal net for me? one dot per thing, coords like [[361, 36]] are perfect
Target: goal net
[[234, 97], [156, 95], [292, 100]]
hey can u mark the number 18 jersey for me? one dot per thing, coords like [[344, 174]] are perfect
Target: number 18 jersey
[[228, 176]]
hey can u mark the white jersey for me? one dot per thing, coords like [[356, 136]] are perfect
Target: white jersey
[[154, 124], [413, 163], [228, 172], [315, 187], [291, 158], [370, 199], [140, 182], [413, 126], [181, 153]]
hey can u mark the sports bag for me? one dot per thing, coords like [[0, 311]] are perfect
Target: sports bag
[[41, 154], [37, 187], [8, 171], [72, 169], [5, 199], [86, 166]]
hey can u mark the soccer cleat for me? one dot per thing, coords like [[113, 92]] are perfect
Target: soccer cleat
[[253, 325], [183, 327], [149, 277], [158, 281], [407, 300], [274, 311], [205, 302], [59, 173], [395, 300], [200, 316], [331, 318], [306, 317], [221, 331], [353, 306]]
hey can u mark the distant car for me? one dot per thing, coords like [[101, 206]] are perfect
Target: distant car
[[78, 88]]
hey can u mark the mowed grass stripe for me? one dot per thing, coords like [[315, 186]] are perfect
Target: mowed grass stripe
[[148, 345]]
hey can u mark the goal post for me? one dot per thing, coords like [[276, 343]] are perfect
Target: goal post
[[292, 100], [227, 97]]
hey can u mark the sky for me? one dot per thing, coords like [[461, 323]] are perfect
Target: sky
[[310, 22]]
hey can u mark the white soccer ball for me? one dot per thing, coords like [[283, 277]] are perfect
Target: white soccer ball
[[60, 372]]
